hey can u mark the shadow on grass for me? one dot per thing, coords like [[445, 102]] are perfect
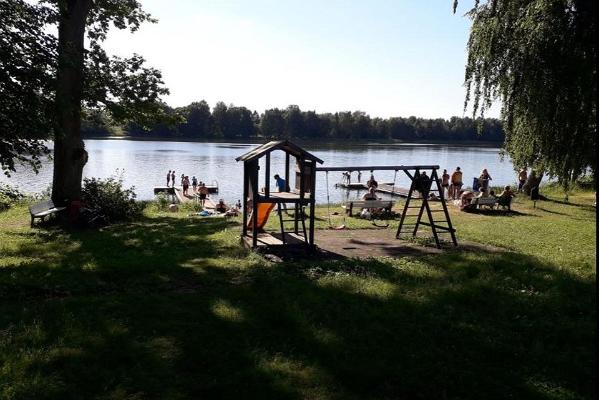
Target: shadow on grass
[[174, 308], [587, 207], [501, 213]]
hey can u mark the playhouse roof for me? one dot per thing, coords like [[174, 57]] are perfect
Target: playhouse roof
[[284, 145]]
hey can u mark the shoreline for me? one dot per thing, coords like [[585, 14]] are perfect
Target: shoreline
[[348, 143]]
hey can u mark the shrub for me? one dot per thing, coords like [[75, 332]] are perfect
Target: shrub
[[162, 202], [191, 207], [108, 198], [585, 182], [8, 196]]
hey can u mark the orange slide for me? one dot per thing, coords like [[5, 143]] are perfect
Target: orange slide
[[264, 209]]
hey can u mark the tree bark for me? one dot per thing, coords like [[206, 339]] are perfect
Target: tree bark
[[70, 155], [532, 181]]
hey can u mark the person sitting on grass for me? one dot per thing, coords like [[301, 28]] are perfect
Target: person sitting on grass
[[221, 206], [466, 198], [505, 198]]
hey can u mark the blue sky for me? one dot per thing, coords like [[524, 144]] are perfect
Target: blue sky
[[387, 58]]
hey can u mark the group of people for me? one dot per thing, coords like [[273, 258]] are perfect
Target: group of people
[[452, 187], [481, 188], [453, 183], [198, 187], [347, 176]]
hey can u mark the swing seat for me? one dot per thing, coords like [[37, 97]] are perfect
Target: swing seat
[[338, 228]]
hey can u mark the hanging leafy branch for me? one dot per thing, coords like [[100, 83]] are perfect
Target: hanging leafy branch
[[539, 58]]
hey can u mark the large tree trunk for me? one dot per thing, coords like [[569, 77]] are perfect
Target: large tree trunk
[[533, 181], [69, 150]]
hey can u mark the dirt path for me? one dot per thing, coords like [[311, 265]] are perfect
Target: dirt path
[[364, 243]]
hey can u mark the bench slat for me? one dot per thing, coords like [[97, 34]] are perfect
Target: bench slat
[[41, 206], [369, 203], [48, 212], [484, 201]]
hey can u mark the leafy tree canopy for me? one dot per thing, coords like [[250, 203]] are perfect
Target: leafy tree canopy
[[540, 59], [124, 87]]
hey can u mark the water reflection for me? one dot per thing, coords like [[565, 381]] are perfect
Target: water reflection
[[145, 164]]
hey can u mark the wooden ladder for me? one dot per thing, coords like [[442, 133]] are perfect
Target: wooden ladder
[[298, 216], [423, 187]]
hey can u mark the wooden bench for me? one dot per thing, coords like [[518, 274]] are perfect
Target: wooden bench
[[485, 201], [43, 209], [360, 204], [491, 202]]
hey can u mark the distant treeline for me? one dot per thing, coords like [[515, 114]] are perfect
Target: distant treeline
[[196, 121]]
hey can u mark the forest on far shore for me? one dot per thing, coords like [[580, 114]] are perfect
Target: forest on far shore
[[198, 121]]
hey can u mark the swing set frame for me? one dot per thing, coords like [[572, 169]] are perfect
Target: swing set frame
[[304, 195], [421, 188]]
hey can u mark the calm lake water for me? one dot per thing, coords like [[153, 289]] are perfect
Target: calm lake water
[[144, 164]]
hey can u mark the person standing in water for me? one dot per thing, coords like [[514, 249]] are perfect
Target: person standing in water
[[173, 178], [169, 178]]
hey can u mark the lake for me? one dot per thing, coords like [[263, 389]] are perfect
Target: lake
[[144, 164]]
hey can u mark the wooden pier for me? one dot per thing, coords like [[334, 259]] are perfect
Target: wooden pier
[[192, 198], [394, 190], [164, 189], [352, 185]]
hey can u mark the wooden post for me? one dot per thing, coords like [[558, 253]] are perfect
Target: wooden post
[[300, 163], [254, 178], [287, 171], [245, 203], [296, 216], [267, 173], [311, 228], [281, 222]]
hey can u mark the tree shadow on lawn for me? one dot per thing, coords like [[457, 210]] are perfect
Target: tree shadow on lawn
[[155, 311], [587, 207], [501, 213]]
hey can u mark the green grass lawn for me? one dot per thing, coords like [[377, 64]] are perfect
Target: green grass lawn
[[171, 307]]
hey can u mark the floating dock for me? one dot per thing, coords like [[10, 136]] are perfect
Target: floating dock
[[352, 185], [387, 188]]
